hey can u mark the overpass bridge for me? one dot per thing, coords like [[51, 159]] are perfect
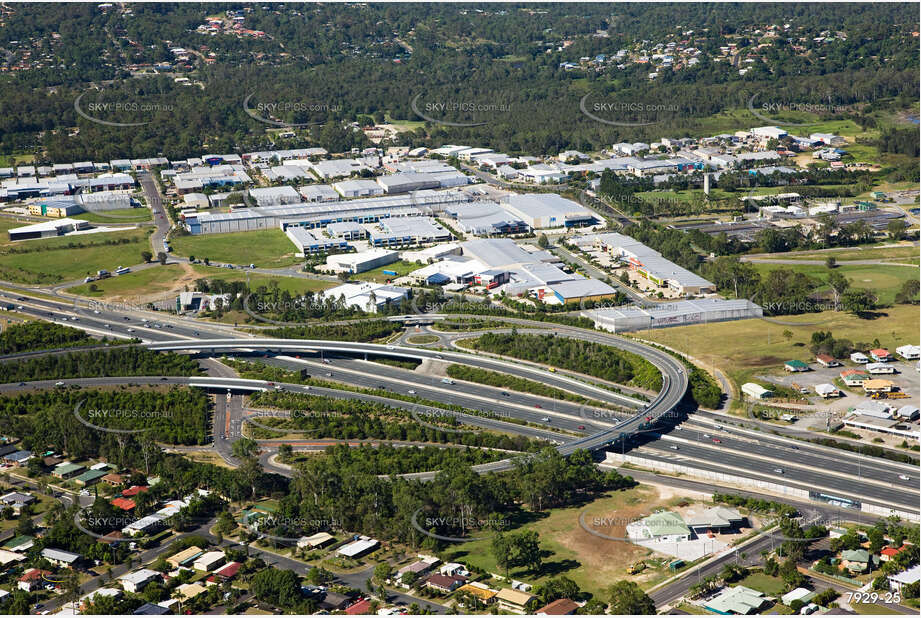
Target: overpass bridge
[[674, 377]]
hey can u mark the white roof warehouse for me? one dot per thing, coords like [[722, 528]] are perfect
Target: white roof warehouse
[[680, 313], [549, 210]]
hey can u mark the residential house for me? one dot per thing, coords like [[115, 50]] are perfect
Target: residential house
[[560, 607], [445, 584], [209, 561], [881, 355], [856, 560], [736, 600], [514, 601], [795, 366], [16, 500], [32, 579], [756, 391], [854, 377], [59, 557], [481, 592], [860, 358], [137, 580], [825, 391], [911, 576], [827, 360], [185, 557]]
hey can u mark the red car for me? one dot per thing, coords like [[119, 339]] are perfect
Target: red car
[[537, 405], [581, 427], [717, 440], [648, 418]]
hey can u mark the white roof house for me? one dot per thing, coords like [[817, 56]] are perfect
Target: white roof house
[[136, 580], [360, 546], [909, 352], [756, 391]]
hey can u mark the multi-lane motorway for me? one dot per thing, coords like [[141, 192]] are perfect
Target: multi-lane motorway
[[760, 456]]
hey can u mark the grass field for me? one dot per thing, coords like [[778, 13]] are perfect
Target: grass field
[[856, 253], [868, 609], [592, 562], [122, 215], [57, 261], [377, 275], [884, 280], [753, 346], [771, 586], [264, 248], [295, 285], [143, 282]]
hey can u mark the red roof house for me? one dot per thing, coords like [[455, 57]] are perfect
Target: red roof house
[[359, 608]]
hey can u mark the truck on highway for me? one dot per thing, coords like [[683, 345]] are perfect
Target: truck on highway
[[103, 274]]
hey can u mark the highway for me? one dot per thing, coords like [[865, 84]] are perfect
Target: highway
[[809, 466]]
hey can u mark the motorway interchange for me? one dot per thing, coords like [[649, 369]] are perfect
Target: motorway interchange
[[659, 429]]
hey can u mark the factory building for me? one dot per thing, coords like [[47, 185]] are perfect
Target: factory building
[[650, 264], [486, 219], [48, 229], [548, 210], [275, 196], [55, 208], [318, 193], [308, 243], [355, 263], [358, 188], [104, 200], [346, 230], [681, 313], [367, 296], [407, 231], [320, 215]]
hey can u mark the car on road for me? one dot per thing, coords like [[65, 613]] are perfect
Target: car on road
[[411, 392], [130, 330], [22, 384], [505, 394], [439, 356], [581, 427], [327, 361], [96, 311], [390, 347], [717, 441], [163, 379], [59, 384], [328, 374], [674, 447], [778, 470], [904, 477], [447, 381], [545, 419], [706, 435], [537, 405], [306, 387]]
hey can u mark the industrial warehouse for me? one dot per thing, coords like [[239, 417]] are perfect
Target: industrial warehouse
[[315, 215], [681, 313]]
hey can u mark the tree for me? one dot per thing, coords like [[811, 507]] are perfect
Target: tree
[[382, 572], [626, 597], [896, 228], [502, 552], [146, 256], [161, 257], [543, 242], [285, 452], [839, 285], [831, 262], [858, 301], [245, 447]]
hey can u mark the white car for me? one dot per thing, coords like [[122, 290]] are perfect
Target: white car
[[545, 419], [59, 384], [904, 477], [306, 387], [778, 470], [411, 392]]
